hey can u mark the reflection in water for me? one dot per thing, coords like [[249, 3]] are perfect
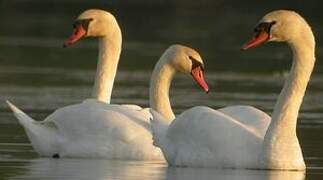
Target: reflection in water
[[209, 173], [91, 169], [106, 169]]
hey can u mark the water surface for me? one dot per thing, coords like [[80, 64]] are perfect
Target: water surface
[[39, 76]]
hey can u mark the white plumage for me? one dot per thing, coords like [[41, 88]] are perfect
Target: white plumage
[[242, 136], [92, 129], [95, 128]]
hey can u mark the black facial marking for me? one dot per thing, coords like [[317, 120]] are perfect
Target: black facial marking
[[264, 26], [83, 22], [196, 63], [55, 156]]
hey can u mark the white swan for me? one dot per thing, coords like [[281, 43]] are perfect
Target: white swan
[[94, 128], [205, 137]]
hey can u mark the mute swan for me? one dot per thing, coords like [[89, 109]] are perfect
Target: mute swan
[[205, 137], [95, 128]]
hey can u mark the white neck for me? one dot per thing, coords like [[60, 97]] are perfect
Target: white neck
[[281, 143], [109, 54], [159, 89]]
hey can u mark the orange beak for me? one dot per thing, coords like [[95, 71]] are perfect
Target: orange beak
[[78, 33], [198, 76], [259, 38]]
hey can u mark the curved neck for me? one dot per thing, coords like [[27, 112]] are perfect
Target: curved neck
[[281, 144], [159, 89], [284, 118], [109, 54]]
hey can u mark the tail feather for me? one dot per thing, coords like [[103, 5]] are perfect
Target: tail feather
[[159, 126], [42, 135], [23, 118]]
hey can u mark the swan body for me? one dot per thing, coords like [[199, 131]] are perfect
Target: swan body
[[197, 131], [199, 138], [255, 119], [83, 130], [95, 128], [227, 138]]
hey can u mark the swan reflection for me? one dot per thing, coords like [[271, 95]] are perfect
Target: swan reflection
[[113, 169]]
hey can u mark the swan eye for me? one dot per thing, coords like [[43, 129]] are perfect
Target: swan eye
[[264, 26], [196, 63], [83, 22]]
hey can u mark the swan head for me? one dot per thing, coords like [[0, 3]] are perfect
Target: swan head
[[93, 23], [188, 61], [280, 25]]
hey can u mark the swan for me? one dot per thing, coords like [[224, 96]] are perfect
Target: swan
[[204, 137], [94, 128]]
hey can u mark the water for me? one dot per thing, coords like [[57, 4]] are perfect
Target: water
[[39, 76]]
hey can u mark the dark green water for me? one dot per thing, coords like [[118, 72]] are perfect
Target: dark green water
[[39, 76]]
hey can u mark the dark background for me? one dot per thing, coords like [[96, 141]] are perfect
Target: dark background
[[32, 32]]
